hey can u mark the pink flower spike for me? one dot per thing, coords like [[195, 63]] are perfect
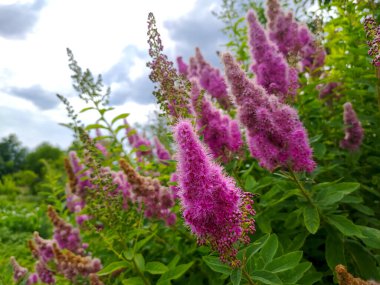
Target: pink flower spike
[[354, 132], [214, 208]]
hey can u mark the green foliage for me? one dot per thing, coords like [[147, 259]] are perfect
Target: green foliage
[[306, 224]]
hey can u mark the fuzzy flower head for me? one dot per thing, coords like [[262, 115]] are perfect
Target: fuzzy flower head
[[211, 80], [157, 199], [65, 234], [216, 210], [270, 67], [372, 30], [161, 151], [275, 135], [182, 66], [292, 38], [354, 132], [220, 132]]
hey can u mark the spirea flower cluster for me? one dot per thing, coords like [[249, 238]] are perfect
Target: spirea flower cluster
[[275, 135], [270, 67], [156, 199], [171, 92], [64, 254], [292, 38], [216, 210], [354, 132], [220, 132], [372, 30]]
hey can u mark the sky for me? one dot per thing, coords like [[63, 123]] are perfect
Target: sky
[[106, 36]]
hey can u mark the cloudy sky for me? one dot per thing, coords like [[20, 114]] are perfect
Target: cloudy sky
[[109, 37]]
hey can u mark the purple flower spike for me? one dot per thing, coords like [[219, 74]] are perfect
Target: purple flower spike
[[162, 152], [220, 132], [182, 66], [275, 135], [271, 69], [211, 80], [293, 38], [19, 272], [354, 132], [216, 210]]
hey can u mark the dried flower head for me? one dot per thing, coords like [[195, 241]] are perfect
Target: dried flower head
[[372, 30]]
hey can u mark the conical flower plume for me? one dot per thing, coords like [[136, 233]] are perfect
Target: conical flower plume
[[220, 132], [275, 135], [292, 38], [270, 67], [216, 210], [354, 132], [161, 151], [211, 80]]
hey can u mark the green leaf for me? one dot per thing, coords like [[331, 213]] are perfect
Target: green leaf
[[371, 236], [295, 274], [249, 183], [140, 262], [284, 262], [121, 127], [215, 264], [174, 262], [252, 249], [269, 249], [334, 250], [329, 193], [86, 109], [363, 260], [112, 267], [236, 276], [119, 117], [266, 277], [156, 267], [128, 254], [95, 126], [142, 242], [311, 218], [344, 225], [133, 281], [175, 273]]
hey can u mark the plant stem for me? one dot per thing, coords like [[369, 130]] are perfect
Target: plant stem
[[246, 275], [300, 186]]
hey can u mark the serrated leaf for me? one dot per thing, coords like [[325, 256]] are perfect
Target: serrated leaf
[[236, 276], [112, 267], [269, 249], [175, 273], [285, 262], [156, 267], [140, 262], [119, 117], [311, 218], [344, 225], [216, 265], [134, 281], [266, 277], [129, 253]]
